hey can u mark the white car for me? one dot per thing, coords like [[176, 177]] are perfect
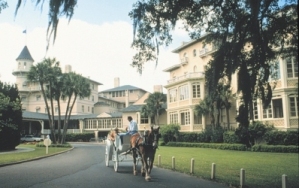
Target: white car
[[31, 138]]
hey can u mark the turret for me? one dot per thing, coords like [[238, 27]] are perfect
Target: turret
[[24, 63]]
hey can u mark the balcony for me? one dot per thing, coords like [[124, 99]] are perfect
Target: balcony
[[186, 76], [206, 51], [184, 61], [30, 88]]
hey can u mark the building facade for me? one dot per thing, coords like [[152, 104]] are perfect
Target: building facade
[[186, 88]]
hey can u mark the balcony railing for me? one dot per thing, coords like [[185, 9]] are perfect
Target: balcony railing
[[187, 76], [30, 88], [184, 60], [206, 51]]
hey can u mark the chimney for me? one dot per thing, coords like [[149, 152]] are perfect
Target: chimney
[[158, 88], [127, 98], [67, 69], [116, 82]]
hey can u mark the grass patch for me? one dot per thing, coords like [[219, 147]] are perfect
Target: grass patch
[[38, 152], [262, 170]]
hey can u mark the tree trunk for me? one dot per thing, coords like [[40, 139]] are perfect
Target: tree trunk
[[67, 118], [52, 115], [59, 121], [47, 106], [227, 117]]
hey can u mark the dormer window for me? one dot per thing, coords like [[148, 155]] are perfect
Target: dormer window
[[194, 52], [24, 65]]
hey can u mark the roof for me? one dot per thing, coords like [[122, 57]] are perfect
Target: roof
[[42, 116], [93, 81], [123, 88], [108, 99], [25, 54], [102, 104], [133, 108], [173, 67], [186, 44]]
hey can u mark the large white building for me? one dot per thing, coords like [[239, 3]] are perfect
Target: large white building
[[186, 88]]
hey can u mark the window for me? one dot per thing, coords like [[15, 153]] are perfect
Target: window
[[56, 109], [173, 118], [92, 110], [143, 120], [196, 90], [23, 98], [172, 95], [275, 71], [274, 109], [131, 91], [113, 94], [24, 65], [277, 108], [255, 111], [92, 98], [24, 84], [92, 86], [184, 92], [88, 109], [185, 118], [294, 106], [197, 119], [82, 108], [292, 67], [267, 113], [37, 109], [195, 69], [194, 52], [38, 97], [116, 94]]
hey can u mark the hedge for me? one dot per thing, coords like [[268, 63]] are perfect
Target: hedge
[[275, 148], [230, 137], [281, 137], [66, 145], [238, 147], [79, 137]]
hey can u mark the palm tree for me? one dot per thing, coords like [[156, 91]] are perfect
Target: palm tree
[[45, 73], [206, 107], [225, 94], [153, 107], [74, 86]]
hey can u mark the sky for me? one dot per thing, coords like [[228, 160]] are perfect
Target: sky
[[96, 43]]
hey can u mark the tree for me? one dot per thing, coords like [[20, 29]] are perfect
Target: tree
[[3, 5], [154, 106], [206, 107], [46, 74], [250, 35], [10, 117], [74, 86]]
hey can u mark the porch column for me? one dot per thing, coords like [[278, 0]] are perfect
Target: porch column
[[42, 126], [81, 125], [203, 119], [286, 111], [96, 135], [191, 120], [30, 127]]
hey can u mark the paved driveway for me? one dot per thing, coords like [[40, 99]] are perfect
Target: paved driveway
[[84, 166]]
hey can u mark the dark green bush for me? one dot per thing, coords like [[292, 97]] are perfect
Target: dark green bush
[[188, 137], [239, 147], [66, 145], [170, 132], [276, 148], [230, 137], [77, 137], [257, 130], [281, 137]]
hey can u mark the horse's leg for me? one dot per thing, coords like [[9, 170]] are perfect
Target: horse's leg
[[151, 162], [146, 166], [134, 162]]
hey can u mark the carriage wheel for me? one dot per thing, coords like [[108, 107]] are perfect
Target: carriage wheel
[[106, 159], [116, 161]]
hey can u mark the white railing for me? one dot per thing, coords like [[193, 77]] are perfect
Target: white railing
[[184, 60], [205, 51], [187, 76]]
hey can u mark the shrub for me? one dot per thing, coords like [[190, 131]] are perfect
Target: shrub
[[217, 135], [276, 148], [75, 137], [169, 132], [239, 147], [230, 137], [188, 137], [66, 145], [281, 137], [257, 130]]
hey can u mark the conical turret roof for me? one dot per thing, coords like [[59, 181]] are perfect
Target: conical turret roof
[[25, 54]]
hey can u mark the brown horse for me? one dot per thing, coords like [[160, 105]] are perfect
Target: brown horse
[[145, 146]]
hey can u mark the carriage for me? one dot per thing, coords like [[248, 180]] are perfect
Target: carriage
[[117, 152]]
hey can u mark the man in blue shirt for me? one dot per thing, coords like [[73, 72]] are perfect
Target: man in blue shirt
[[132, 128]]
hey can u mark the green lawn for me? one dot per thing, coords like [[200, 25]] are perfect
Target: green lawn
[[261, 169], [38, 152]]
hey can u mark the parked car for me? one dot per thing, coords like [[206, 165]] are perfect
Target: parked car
[[31, 138]]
